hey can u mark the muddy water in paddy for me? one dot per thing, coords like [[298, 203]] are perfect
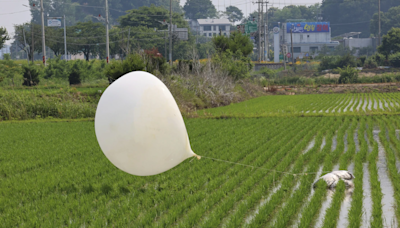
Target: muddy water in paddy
[[365, 104], [359, 104], [334, 143], [370, 104], [388, 209], [325, 205], [380, 104], [375, 104], [367, 199], [346, 204], [351, 102], [323, 143], [397, 134]]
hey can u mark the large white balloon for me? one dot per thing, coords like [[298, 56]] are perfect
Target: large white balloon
[[139, 126]]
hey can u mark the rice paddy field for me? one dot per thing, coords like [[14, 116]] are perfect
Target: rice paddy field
[[254, 172], [311, 105]]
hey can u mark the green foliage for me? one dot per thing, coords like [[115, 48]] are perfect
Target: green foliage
[[237, 43], [117, 68], [56, 68], [236, 65], [9, 69], [394, 59], [348, 75], [390, 42], [370, 63], [199, 9], [205, 50], [389, 20], [144, 17], [75, 74], [3, 36], [31, 75], [266, 72], [380, 59], [339, 14], [234, 14], [332, 62]]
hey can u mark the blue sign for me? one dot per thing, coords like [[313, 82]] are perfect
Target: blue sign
[[306, 27], [307, 54]]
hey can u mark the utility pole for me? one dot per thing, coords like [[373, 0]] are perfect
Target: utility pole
[[165, 44], [266, 33], [291, 40], [170, 32], [379, 26], [263, 31], [33, 43], [107, 39], [259, 33], [43, 39], [65, 41], [26, 50]]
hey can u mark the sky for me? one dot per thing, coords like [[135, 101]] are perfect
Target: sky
[[13, 12]]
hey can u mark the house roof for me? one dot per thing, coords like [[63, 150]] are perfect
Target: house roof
[[213, 21]]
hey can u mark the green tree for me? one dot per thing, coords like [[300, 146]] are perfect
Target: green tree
[[3, 36], [237, 43], [390, 42], [9, 68], [390, 19], [150, 17], [199, 9], [234, 14], [37, 34], [353, 16], [84, 37]]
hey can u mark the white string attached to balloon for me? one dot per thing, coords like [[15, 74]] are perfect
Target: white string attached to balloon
[[257, 167]]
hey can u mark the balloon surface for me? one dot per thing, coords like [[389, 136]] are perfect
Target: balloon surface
[[139, 126]]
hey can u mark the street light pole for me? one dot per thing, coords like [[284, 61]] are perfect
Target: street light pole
[[33, 43], [170, 32], [43, 39], [107, 39], [65, 41], [27, 57], [266, 33]]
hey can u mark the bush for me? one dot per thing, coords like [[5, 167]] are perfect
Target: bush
[[117, 68], [346, 60], [394, 59], [327, 62], [30, 74], [361, 61], [370, 63], [56, 68], [75, 74], [379, 59], [236, 67], [348, 75]]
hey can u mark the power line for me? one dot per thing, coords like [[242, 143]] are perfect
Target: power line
[[132, 38], [15, 12]]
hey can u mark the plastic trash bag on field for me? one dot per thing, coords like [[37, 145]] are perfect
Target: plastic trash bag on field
[[332, 178]]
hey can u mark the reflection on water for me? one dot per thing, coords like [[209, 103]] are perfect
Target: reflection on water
[[388, 210], [346, 204]]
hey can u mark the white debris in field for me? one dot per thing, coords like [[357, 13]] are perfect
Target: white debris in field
[[332, 178]]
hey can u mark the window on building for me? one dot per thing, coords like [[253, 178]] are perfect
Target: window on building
[[224, 33], [223, 28], [209, 34], [297, 49], [207, 28], [214, 34], [205, 34], [308, 36], [313, 49], [213, 28]]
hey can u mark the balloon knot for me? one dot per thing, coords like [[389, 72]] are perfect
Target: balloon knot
[[197, 156]]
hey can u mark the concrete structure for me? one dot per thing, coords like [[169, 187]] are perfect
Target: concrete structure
[[358, 43], [210, 27], [308, 37]]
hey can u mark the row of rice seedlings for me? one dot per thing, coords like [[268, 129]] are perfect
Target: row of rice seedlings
[[328, 102], [376, 191], [257, 196], [266, 211], [355, 213], [229, 170], [313, 208], [391, 159], [349, 98], [193, 216], [207, 180], [47, 188], [333, 212], [292, 207], [387, 162]]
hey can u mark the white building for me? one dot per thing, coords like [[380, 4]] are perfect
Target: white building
[[308, 37], [211, 27]]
